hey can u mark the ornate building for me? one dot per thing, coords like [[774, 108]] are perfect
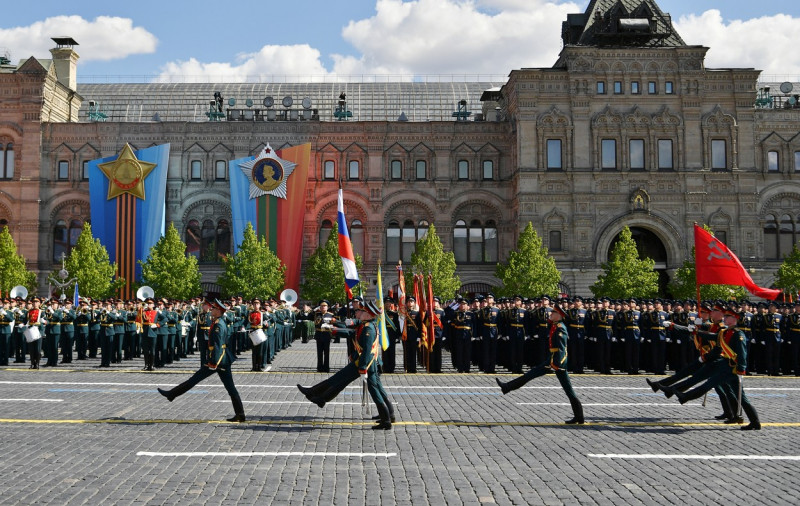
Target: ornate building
[[627, 128]]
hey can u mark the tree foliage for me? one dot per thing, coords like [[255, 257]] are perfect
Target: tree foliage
[[324, 273], [530, 270], [254, 271], [89, 264], [626, 275], [168, 270], [788, 275], [13, 271], [430, 257]]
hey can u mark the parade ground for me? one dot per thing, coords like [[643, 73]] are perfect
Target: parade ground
[[76, 434]]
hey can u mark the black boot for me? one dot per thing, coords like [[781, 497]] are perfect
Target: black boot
[[175, 392], [238, 408], [514, 384], [384, 423], [752, 415], [577, 413], [655, 385]]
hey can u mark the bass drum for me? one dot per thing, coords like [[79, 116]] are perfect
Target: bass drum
[[32, 334], [258, 337]]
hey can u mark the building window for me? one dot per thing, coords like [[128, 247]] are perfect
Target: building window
[[637, 154], [65, 238], [408, 240], [780, 236], [63, 170], [652, 88], [328, 170], [665, 154], [476, 243], [555, 241], [722, 236], [421, 169], [460, 241], [635, 87], [772, 161], [192, 238], [196, 170], [797, 161], [719, 155], [7, 161], [357, 237], [352, 169], [208, 246], [223, 238], [601, 87], [463, 169], [617, 87], [488, 169], [771, 238], [669, 88], [325, 231], [396, 169], [608, 154], [554, 154], [221, 170], [85, 170], [393, 242]]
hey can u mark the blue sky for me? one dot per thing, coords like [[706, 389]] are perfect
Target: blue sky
[[312, 37]]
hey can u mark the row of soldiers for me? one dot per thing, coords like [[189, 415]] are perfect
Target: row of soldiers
[[629, 336], [120, 330]]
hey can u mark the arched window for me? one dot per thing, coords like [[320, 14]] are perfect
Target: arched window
[[328, 171], [421, 169], [460, 241], [208, 248], [221, 170], [223, 238], [196, 170], [396, 170], [357, 237], [771, 238], [192, 238], [409, 240], [477, 243], [7, 161], [786, 240], [3, 222], [393, 242], [325, 231], [60, 240], [75, 229], [488, 169]]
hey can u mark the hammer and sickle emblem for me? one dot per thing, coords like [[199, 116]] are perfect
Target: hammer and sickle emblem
[[717, 251]]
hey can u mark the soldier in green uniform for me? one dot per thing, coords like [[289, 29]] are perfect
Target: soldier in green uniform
[[363, 363], [52, 332], [557, 362], [6, 321], [67, 332], [94, 329], [82, 318], [129, 340], [18, 340], [220, 360]]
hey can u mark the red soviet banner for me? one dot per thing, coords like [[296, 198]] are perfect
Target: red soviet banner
[[715, 264]]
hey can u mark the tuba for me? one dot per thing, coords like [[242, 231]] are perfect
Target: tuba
[[18, 291], [289, 295]]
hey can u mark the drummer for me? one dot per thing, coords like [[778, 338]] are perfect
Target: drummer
[[35, 336], [255, 326]]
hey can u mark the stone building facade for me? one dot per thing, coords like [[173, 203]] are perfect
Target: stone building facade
[[627, 128]]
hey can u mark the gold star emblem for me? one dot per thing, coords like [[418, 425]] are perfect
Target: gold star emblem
[[126, 174]]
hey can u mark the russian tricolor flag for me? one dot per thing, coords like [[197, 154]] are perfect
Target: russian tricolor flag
[[346, 250]]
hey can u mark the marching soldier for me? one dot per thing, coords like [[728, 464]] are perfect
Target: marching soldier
[[557, 362], [220, 362]]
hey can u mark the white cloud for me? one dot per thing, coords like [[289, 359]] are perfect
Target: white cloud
[[767, 43], [455, 37], [104, 38], [412, 38], [298, 60]]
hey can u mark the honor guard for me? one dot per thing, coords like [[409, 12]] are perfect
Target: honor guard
[[462, 328], [323, 336], [412, 335], [576, 329], [490, 316]]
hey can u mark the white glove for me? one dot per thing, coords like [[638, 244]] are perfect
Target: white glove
[[613, 339], [326, 326], [752, 341], [762, 342], [698, 321], [669, 340], [678, 341], [349, 322], [153, 326], [691, 328], [364, 376], [622, 340]]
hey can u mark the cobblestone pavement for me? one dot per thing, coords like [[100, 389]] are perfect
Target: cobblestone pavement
[[82, 435]]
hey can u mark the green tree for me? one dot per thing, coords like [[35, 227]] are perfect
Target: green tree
[[788, 275], [168, 270], [430, 257], [324, 273], [530, 270], [13, 271], [89, 264], [254, 271], [626, 275]]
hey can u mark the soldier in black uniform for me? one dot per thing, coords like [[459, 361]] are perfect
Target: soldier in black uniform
[[605, 323], [411, 344], [772, 337], [488, 321], [792, 347], [461, 330], [576, 329], [658, 335], [323, 336], [438, 334], [393, 332], [516, 335]]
